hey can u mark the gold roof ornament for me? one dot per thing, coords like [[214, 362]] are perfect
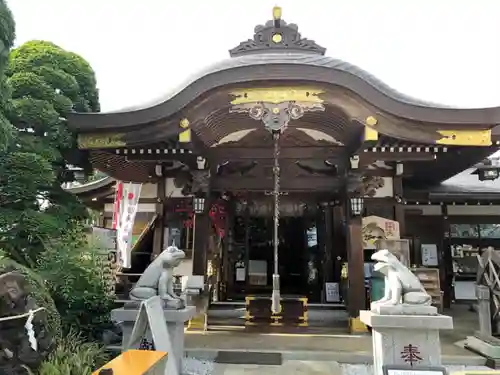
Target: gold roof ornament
[[276, 13], [276, 35], [185, 135]]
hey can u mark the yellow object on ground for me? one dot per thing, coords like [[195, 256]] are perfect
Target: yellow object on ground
[[198, 323], [357, 326], [137, 362]]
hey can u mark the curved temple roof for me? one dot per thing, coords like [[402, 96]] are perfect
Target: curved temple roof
[[278, 52]]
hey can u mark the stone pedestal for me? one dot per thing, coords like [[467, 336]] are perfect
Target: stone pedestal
[[405, 335], [174, 320], [483, 342]]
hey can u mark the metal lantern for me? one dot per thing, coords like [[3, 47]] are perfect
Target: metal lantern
[[198, 204], [357, 206], [488, 174], [78, 173]]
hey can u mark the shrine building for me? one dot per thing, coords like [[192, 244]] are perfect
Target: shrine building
[[361, 166]]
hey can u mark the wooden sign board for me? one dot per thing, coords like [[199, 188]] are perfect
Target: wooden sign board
[[378, 228], [415, 370], [150, 316]]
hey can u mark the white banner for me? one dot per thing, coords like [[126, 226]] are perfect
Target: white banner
[[126, 219]]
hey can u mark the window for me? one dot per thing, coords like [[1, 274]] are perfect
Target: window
[[489, 230], [464, 231], [475, 231], [181, 233]]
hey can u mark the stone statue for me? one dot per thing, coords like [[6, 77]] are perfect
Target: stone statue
[[402, 287], [157, 279], [16, 350]]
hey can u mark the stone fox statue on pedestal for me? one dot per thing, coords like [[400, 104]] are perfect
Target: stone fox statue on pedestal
[[157, 279], [401, 285]]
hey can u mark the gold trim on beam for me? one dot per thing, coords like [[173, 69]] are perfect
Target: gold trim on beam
[[185, 135], [277, 95], [370, 134], [465, 137], [102, 140]]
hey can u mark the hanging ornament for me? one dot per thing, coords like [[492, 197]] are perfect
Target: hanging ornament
[[30, 331]]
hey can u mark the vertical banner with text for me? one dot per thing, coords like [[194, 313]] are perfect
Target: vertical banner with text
[[129, 203]]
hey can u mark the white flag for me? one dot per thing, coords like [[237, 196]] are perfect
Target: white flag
[[128, 210]]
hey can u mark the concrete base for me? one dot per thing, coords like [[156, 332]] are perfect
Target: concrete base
[[488, 347], [174, 320], [403, 310], [405, 340]]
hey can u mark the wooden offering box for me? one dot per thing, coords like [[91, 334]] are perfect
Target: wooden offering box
[[293, 311]]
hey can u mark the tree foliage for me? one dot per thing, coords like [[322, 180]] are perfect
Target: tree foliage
[[7, 36], [78, 281], [45, 82]]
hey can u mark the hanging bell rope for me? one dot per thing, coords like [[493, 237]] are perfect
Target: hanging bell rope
[[275, 298]]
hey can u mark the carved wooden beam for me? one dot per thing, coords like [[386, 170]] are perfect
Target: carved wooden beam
[[368, 157], [233, 153], [292, 184]]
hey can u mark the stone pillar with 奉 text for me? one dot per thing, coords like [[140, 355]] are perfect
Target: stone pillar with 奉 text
[[405, 327]]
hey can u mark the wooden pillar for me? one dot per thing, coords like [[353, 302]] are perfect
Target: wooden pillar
[[446, 266], [338, 245], [399, 212], [329, 248], [247, 247], [228, 278], [356, 284], [160, 218], [202, 232], [321, 237]]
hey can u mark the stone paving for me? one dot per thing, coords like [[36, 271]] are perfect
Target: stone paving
[[338, 347], [334, 345], [311, 368], [326, 353]]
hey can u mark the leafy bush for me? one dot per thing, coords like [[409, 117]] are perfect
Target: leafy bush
[[73, 356], [79, 284], [38, 291]]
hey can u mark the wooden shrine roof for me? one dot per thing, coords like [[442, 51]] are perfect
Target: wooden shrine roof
[[278, 58], [278, 53], [281, 68]]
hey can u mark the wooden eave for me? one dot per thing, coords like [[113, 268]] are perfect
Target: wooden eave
[[282, 69], [94, 190]]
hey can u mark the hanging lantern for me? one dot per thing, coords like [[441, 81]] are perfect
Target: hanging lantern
[[357, 206], [198, 205]]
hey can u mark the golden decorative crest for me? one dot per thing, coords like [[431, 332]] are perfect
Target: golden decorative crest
[[103, 140], [277, 95], [465, 137], [275, 107]]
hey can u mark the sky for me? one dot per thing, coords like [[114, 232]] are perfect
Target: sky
[[443, 51]]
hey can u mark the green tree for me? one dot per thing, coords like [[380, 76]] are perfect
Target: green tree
[[46, 82], [7, 36], [78, 281]]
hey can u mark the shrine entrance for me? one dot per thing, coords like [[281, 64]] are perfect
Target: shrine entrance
[[247, 264]]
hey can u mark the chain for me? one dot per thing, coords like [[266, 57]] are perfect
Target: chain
[[276, 194], [275, 305]]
